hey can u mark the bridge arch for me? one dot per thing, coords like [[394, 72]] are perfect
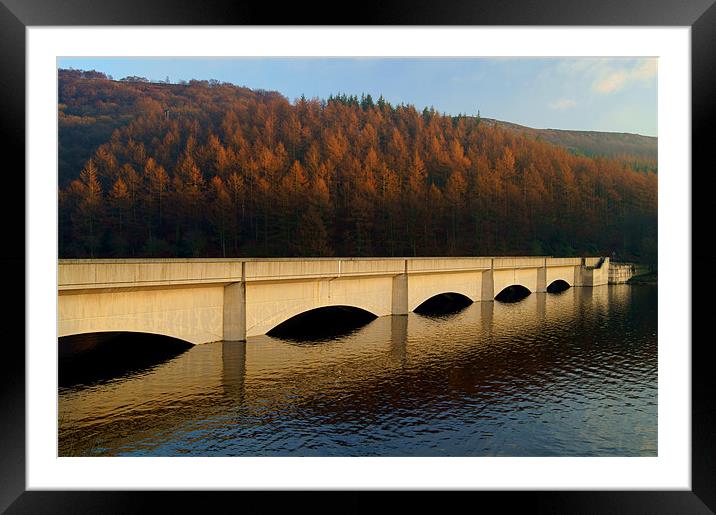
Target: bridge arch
[[322, 322], [269, 304], [423, 287], [558, 286], [95, 356], [444, 302], [97, 333], [513, 280], [513, 293], [190, 314], [561, 273]]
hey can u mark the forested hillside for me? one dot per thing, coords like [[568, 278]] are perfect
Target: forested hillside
[[635, 149], [211, 169]]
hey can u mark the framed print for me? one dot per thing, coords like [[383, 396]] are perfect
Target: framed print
[[56, 61]]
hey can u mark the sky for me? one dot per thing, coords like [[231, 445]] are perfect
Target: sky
[[599, 94]]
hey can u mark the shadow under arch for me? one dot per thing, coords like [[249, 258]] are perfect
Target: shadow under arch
[[558, 286], [513, 293], [446, 303], [91, 358], [322, 324]]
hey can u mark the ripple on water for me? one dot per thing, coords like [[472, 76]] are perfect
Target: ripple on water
[[573, 374]]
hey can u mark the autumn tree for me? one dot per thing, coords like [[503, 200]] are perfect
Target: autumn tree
[[89, 208], [211, 169]]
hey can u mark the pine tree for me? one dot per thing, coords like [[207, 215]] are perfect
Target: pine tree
[[90, 207]]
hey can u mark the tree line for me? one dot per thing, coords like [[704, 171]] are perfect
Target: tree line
[[209, 169]]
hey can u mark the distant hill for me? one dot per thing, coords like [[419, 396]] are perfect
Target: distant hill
[[634, 148]]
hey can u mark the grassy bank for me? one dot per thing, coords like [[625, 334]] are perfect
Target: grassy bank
[[650, 278]]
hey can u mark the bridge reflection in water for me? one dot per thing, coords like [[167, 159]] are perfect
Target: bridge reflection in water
[[535, 377]]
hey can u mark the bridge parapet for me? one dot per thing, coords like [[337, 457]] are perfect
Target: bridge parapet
[[551, 261], [519, 262], [372, 266], [137, 273], [284, 270], [428, 265], [272, 270]]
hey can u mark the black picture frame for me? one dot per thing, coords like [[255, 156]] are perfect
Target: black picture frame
[[16, 15]]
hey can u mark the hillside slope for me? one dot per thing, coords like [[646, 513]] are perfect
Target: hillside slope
[[634, 148], [211, 169]]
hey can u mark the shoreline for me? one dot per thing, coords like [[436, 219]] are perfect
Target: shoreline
[[650, 278]]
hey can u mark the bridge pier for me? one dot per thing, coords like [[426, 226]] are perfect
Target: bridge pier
[[542, 278], [578, 275], [400, 294], [235, 312], [487, 289]]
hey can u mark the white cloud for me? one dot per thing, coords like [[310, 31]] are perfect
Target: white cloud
[[562, 103], [613, 79], [600, 75]]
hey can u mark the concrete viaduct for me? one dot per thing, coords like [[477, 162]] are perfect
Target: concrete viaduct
[[207, 300]]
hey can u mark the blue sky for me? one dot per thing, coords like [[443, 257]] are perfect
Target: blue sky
[[601, 94]]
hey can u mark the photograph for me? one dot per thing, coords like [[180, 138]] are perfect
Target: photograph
[[357, 256], [421, 253]]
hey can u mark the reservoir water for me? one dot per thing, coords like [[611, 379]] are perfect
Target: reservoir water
[[566, 374]]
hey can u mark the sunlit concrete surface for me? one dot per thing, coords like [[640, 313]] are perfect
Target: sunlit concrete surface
[[620, 273], [205, 300]]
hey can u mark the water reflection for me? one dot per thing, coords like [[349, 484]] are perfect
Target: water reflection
[[99, 357], [399, 340], [233, 371], [551, 375]]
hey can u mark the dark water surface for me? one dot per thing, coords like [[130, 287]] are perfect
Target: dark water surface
[[568, 374]]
